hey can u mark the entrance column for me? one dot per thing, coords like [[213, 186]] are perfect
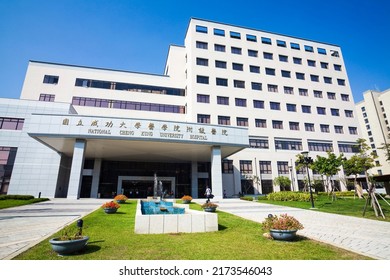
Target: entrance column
[[76, 171], [216, 172], [194, 179], [95, 177]]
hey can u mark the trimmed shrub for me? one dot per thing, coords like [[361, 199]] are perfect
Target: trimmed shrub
[[248, 198], [16, 197], [290, 196]]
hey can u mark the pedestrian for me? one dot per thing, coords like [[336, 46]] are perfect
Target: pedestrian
[[208, 193]]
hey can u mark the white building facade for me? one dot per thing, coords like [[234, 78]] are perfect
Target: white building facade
[[232, 110]]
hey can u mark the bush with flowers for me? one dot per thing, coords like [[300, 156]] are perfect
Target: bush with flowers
[[120, 198], [186, 199], [111, 205], [281, 222]]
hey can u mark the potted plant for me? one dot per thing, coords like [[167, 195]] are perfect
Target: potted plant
[[209, 207], [282, 227], [70, 241], [110, 207], [120, 198], [186, 199]]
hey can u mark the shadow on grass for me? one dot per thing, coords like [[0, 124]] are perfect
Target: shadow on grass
[[221, 227]]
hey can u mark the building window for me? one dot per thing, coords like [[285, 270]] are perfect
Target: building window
[[252, 53], [219, 48], [239, 84], [258, 104], [309, 48], [334, 53], [201, 29], [202, 61], [265, 167], [337, 67], [236, 50], [331, 95], [246, 166], [288, 90], [201, 45], [240, 102], [306, 109], [321, 51], [48, 79], [224, 120], [297, 60], [300, 76], [277, 124], [327, 80], [254, 69], [222, 82], [251, 38], [242, 121], [222, 100], [317, 93], [324, 128], [235, 35], [286, 74], [348, 148], [11, 123], [321, 111], [203, 98], [281, 43], [303, 92], [256, 86], [220, 64], [283, 167], [283, 58], [335, 112], [261, 123], [203, 118], [291, 107], [294, 125], [324, 65], [309, 127], [227, 166], [259, 143], [320, 147], [341, 82], [352, 130], [311, 63], [267, 55], [238, 66], [345, 97], [274, 105], [270, 71], [219, 32], [314, 78], [272, 88], [202, 79], [266, 40], [295, 46], [46, 97], [338, 129]]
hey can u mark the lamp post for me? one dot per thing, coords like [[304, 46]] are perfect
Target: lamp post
[[290, 168], [306, 161]]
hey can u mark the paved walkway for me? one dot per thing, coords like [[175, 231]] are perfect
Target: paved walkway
[[367, 237], [24, 226]]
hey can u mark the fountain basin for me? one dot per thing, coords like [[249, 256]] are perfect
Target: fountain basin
[[189, 221]]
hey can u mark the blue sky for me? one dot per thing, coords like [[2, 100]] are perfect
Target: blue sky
[[135, 35]]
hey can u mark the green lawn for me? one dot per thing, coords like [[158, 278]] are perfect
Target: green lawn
[[7, 203], [112, 237], [344, 206]]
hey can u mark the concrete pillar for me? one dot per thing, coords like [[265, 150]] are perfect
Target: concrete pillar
[[216, 172], [76, 171], [194, 179], [96, 177]]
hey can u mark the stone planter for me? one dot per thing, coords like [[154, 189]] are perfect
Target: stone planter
[[285, 235], [120, 201], [209, 209], [110, 210], [186, 201], [65, 247]]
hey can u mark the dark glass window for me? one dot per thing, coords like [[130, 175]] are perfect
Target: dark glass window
[[251, 38], [295, 46], [327, 80], [291, 107], [236, 50], [222, 100], [283, 167], [321, 111], [202, 79], [270, 71], [286, 74], [345, 97], [265, 167], [337, 67], [258, 143], [240, 102], [219, 48], [324, 128], [220, 64], [252, 53], [309, 48], [300, 76], [283, 58], [48, 79], [227, 166], [335, 112], [274, 105], [309, 126], [11, 123], [235, 35], [203, 98], [341, 82], [266, 40], [321, 51], [311, 63], [259, 104], [201, 45], [224, 120], [246, 166], [254, 69], [324, 65], [238, 66], [306, 109], [331, 95], [239, 84], [272, 88], [267, 55], [297, 60], [294, 125], [203, 118], [288, 90], [256, 86], [338, 129], [46, 97], [242, 121], [222, 82], [281, 43], [303, 92], [201, 29], [219, 32], [320, 146], [202, 61], [261, 123], [288, 145], [277, 124]]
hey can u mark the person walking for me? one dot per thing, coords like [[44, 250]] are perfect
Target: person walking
[[208, 193]]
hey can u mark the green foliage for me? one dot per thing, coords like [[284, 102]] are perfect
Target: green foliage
[[290, 196], [16, 196], [340, 194], [282, 181], [248, 198], [281, 222]]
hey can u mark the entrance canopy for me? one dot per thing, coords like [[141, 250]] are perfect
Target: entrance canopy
[[136, 139]]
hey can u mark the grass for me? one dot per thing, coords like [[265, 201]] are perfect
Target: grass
[[8, 203], [349, 206], [112, 237]]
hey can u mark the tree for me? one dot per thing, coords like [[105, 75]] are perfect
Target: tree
[[386, 148], [283, 182]]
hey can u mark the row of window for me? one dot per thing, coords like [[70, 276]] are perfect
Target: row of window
[[259, 104], [127, 105], [276, 124], [11, 123], [265, 40]]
